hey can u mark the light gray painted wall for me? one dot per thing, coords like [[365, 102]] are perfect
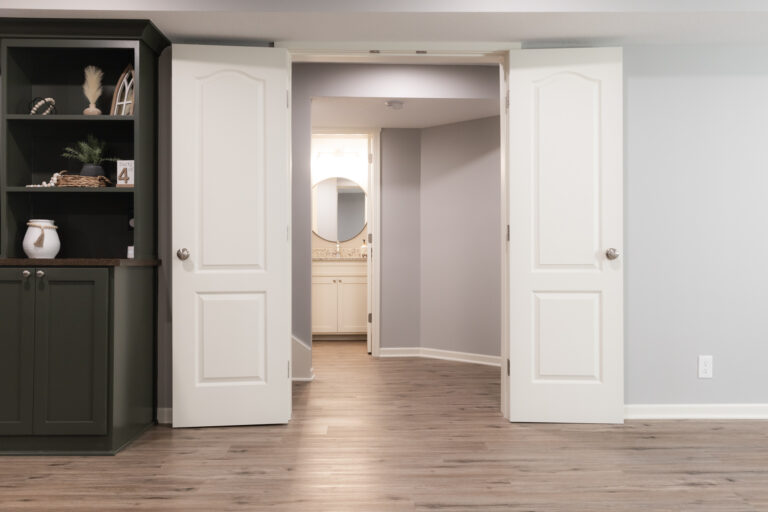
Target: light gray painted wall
[[696, 227], [400, 237], [367, 81], [460, 242]]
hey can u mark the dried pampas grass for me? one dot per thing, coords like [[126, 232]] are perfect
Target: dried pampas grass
[[92, 85], [92, 88]]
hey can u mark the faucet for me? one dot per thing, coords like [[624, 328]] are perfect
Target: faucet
[[338, 250]]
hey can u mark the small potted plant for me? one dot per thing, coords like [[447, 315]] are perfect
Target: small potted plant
[[91, 153]]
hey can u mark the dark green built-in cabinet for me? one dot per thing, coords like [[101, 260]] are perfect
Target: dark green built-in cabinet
[[77, 334]]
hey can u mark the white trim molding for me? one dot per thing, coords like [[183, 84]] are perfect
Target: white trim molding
[[305, 379], [165, 415], [696, 411], [446, 355]]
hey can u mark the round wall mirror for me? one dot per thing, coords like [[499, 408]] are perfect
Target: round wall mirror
[[338, 209]]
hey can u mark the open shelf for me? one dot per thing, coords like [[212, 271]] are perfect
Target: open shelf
[[69, 117], [33, 149], [69, 190], [89, 225], [92, 222], [36, 71]]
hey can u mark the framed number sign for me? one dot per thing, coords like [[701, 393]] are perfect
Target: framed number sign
[[125, 174]]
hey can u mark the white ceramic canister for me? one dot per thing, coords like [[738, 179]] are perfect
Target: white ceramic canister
[[41, 240]]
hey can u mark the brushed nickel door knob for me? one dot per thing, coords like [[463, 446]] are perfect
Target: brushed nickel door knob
[[612, 254], [26, 274], [182, 254], [40, 273]]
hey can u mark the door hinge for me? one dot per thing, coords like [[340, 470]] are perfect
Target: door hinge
[[370, 158], [507, 367], [370, 238], [289, 369], [287, 99], [370, 318], [507, 232], [506, 102]]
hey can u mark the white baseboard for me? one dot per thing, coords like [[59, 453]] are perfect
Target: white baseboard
[[165, 415], [434, 353], [696, 411], [310, 378]]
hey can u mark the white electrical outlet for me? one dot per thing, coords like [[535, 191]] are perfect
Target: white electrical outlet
[[705, 367]]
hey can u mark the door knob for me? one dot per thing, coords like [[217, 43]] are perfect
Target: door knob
[[182, 254], [612, 254], [26, 273], [40, 273]]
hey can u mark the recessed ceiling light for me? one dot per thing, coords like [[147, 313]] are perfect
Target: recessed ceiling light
[[394, 104]]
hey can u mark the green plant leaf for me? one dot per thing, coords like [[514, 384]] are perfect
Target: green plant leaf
[[88, 151]]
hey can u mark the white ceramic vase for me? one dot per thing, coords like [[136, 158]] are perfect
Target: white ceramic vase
[[41, 240]]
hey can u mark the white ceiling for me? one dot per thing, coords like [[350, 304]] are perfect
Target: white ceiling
[[416, 112], [533, 21]]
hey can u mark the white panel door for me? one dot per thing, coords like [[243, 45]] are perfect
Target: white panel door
[[325, 305], [231, 213], [565, 207], [353, 304]]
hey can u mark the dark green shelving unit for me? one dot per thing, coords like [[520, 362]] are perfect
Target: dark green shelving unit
[[77, 333]]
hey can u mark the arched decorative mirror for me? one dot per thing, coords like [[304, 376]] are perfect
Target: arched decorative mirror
[[338, 209]]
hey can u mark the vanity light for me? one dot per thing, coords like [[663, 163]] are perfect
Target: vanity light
[[394, 104]]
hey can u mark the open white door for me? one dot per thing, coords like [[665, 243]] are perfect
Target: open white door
[[565, 191], [231, 226]]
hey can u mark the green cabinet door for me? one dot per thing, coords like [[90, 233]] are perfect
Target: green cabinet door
[[71, 351], [17, 318]]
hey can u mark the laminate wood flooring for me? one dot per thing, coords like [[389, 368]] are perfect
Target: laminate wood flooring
[[408, 434]]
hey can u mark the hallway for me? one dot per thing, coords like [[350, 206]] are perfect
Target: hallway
[[407, 434]]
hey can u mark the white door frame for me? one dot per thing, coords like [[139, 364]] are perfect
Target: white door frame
[[427, 53], [374, 227]]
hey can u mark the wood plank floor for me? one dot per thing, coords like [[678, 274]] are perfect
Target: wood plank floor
[[408, 434]]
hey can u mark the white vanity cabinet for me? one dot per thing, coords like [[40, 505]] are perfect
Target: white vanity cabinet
[[339, 297]]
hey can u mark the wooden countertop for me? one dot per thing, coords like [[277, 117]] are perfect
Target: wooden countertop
[[77, 262]]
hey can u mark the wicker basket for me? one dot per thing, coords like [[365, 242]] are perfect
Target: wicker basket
[[69, 180]]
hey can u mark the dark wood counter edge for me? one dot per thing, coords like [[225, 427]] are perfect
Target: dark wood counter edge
[[77, 262]]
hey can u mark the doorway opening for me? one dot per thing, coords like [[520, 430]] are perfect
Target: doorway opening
[[342, 180], [432, 246]]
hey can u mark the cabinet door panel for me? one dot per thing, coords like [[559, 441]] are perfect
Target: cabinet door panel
[[353, 304], [17, 321], [324, 305], [71, 344]]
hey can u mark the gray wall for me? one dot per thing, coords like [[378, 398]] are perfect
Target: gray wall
[[367, 81], [696, 165], [400, 237], [460, 237]]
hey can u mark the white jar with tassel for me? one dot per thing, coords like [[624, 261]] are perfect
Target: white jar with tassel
[[41, 240]]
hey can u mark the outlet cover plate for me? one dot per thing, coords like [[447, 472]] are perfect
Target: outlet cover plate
[[705, 367]]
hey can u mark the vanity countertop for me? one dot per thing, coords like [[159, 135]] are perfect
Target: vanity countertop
[[340, 259]]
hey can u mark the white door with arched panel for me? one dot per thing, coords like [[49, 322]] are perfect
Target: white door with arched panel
[[231, 227], [565, 217]]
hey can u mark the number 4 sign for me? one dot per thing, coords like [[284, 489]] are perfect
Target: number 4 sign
[[125, 173]]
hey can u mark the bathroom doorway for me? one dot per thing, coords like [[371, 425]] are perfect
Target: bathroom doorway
[[342, 182]]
